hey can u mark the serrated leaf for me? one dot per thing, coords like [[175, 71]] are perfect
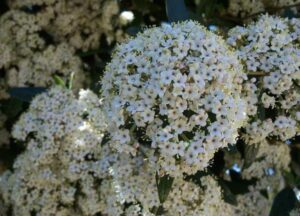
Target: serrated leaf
[[164, 186], [177, 10], [26, 94], [283, 203]]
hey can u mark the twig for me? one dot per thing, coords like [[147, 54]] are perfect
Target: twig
[[258, 74]]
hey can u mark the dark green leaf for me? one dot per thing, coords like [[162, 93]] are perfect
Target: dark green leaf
[[283, 203], [177, 10], [229, 197], [164, 186], [12, 107], [26, 93], [289, 178], [261, 111], [239, 186], [250, 155], [157, 211]]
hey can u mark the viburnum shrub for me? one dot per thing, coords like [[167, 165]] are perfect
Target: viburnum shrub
[[173, 97], [174, 89]]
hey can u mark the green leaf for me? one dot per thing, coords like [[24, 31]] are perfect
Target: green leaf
[[26, 93], [229, 197], [289, 178], [59, 81], [250, 155], [164, 186], [157, 211], [177, 10], [283, 203], [11, 107], [292, 179]]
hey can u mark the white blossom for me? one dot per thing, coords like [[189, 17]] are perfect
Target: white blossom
[[187, 87]]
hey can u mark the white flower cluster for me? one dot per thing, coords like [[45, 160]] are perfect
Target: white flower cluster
[[60, 165], [19, 36], [134, 182], [283, 128], [246, 8], [175, 89], [270, 46], [295, 212], [80, 23], [67, 170], [250, 94], [38, 69], [39, 39], [27, 59], [187, 198]]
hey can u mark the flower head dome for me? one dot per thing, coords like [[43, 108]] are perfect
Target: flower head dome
[[270, 46], [269, 49], [63, 159], [175, 89]]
